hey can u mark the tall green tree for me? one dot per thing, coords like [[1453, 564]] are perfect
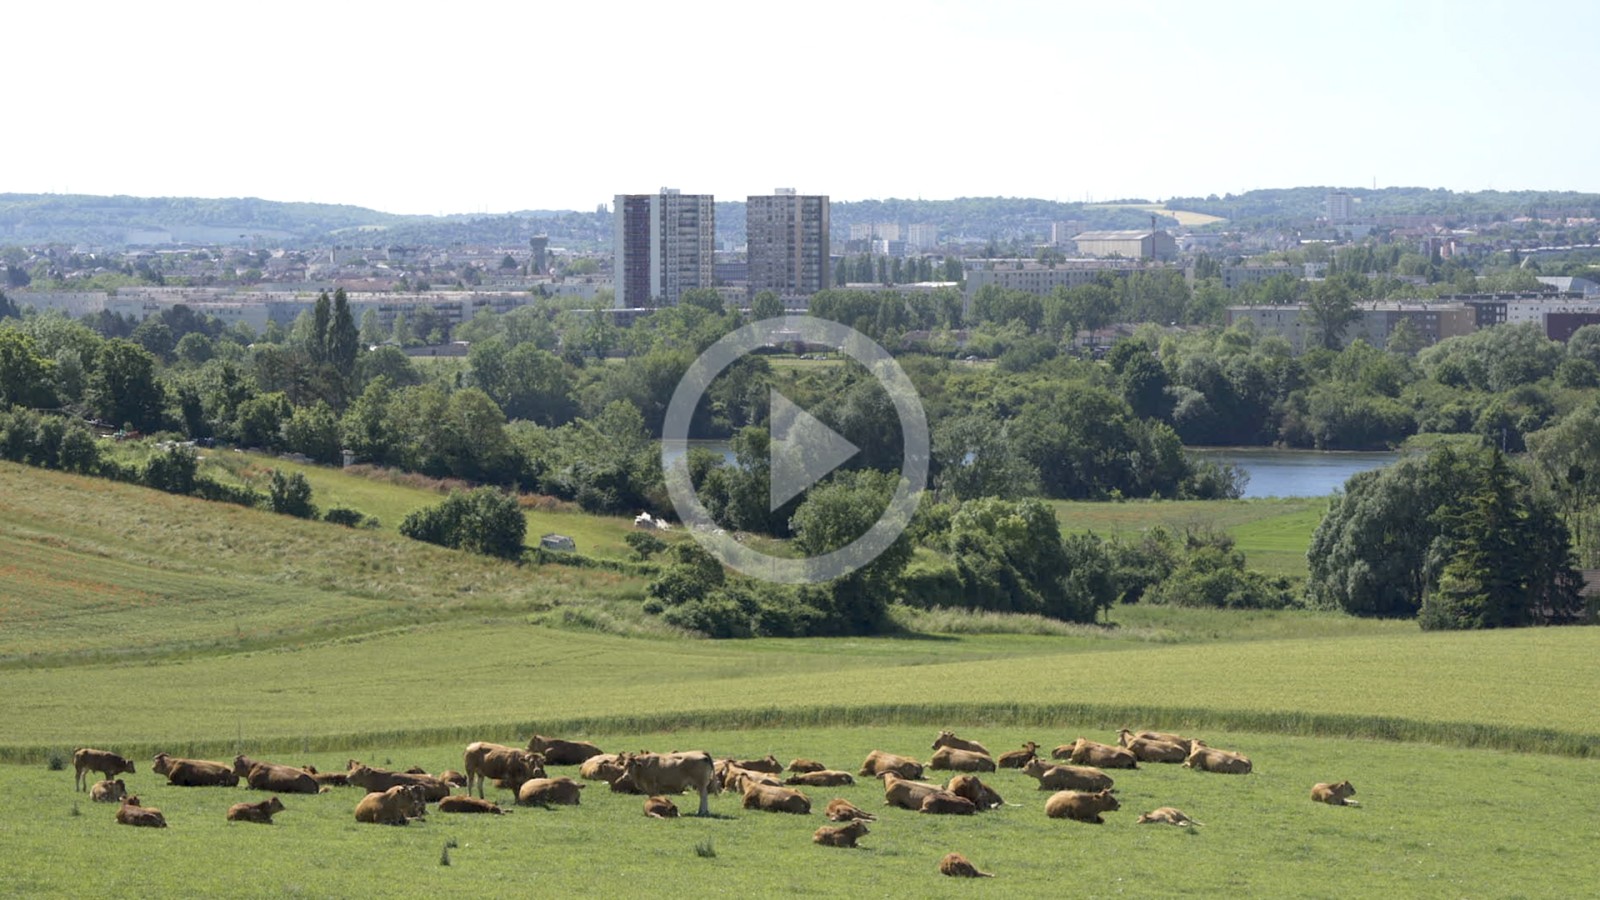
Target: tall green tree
[[343, 339], [1331, 309], [124, 388], [316, 345]]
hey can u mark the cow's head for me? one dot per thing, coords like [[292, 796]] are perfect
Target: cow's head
[[943, 739]]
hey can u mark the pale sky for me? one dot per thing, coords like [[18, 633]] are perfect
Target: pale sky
[[475, 106]]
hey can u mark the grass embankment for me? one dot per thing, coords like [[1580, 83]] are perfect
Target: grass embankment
[[96, 570], [1272, 533]]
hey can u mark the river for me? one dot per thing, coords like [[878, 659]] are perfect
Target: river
[[1295, 473], [1273, 473]]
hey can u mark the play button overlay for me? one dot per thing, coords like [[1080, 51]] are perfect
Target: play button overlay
[[802, 452]]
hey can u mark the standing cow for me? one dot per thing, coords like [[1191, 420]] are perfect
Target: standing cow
[[87, 759], [672, 773]]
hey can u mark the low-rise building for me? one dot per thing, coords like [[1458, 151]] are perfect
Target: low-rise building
[[1131, 244]]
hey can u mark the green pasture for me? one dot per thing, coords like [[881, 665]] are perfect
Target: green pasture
[[92, 569], [1517, 690], [138, 621], [1433, 823], [1272, 533], [391, 496]]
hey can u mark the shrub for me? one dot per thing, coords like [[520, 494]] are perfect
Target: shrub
[[644, 544], [343, 515], [482, 521], [209, 489], [171, 470], [290, 495]]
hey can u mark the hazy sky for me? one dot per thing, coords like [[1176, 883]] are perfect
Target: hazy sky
[[475, 106]]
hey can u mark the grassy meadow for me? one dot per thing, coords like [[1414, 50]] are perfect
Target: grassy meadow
[[1272, 533], [138, 621]]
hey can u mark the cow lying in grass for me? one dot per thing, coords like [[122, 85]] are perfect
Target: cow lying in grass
[[1334, 794], [194, 772], [1207, 759], [1067, 778], [1166, 815], [108, 791], [1081, 806], [397, 805], [255, 812], [840, 835], [131, 813], [956, 866]]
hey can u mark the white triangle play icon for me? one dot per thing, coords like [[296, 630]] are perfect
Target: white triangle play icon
[[802, 452]]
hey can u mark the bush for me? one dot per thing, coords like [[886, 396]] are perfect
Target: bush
[[208, 489], [290, 495], [171, 470], [349, 518], [483, 521], [644, 544]]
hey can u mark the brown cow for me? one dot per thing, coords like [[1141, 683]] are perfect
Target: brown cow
[[802, 764], [453, 778], [972, 788], [879, 762], [842, 810], [822, 778], [466, 803], [255, 812], [379, 780], [328, 779], [1206, 759], [944, 803], [905, 793], [625, 785], [1016, 759], [769, 765], [736, 779], [768, 798], [265, 776], [1093, 753], [194, 772], [949, 739], [660, 808], [108, 791], [507, 765], [956, 866], [131, 813], [1080, 806], [604, 767], [1067, 778], [950, 759], [1166, 815], [86, 759], [557, 752], [1165, 737], [397, 805], [560, 791], [840, 835], [1334, 794], [1146, 750], [672, 773]]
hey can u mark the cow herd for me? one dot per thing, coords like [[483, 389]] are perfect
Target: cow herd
[[1075, 775]]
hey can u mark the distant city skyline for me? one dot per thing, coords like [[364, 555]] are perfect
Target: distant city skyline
[[495, 108]]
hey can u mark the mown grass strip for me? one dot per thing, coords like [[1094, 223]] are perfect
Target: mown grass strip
[[1467, 735]]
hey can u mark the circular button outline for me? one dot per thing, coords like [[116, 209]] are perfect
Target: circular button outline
[[914, 443]]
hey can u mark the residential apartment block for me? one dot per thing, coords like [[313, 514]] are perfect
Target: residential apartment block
[[787, 238], [663, 244]]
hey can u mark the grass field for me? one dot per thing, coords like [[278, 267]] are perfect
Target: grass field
[[1272, 533], [1429, 826], [1185, 217], [138, 621]]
